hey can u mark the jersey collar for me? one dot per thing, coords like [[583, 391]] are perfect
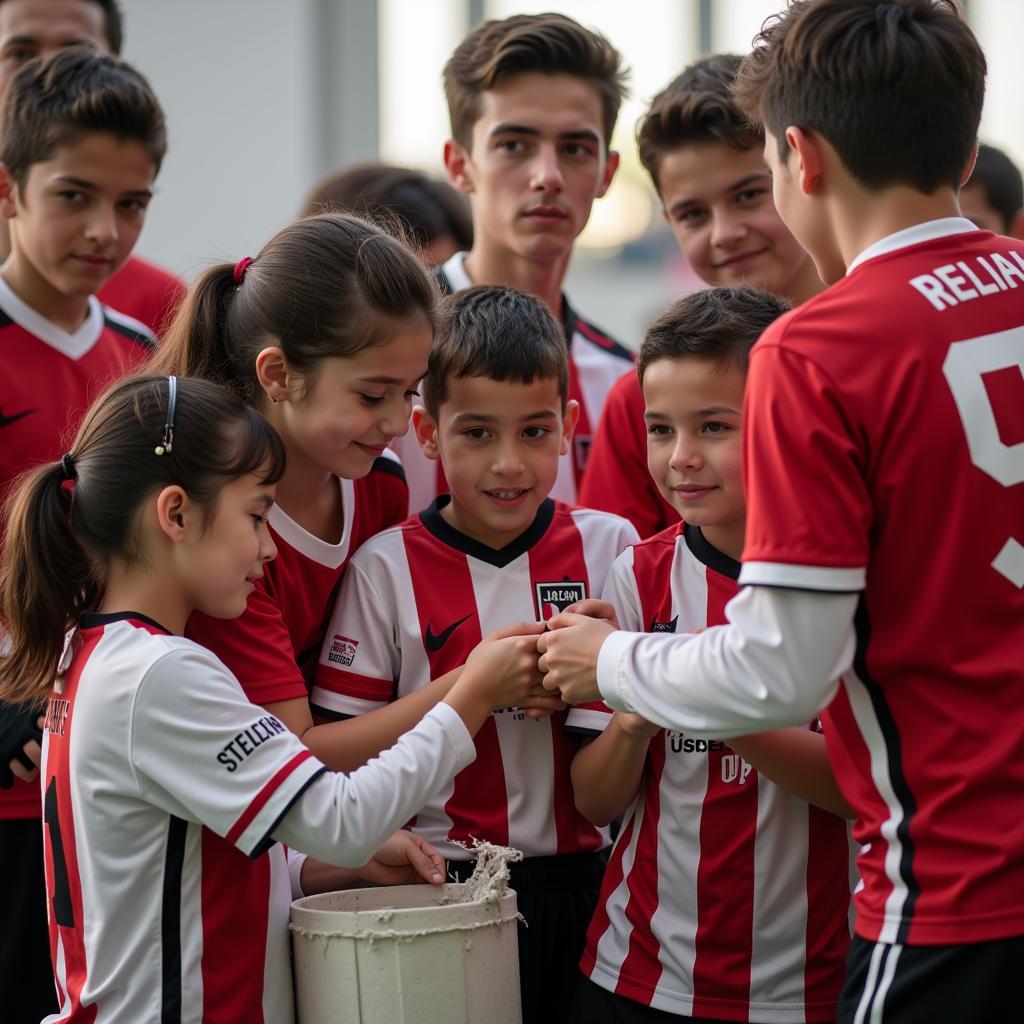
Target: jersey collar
[[927, 231], [704, 551], [74, 345], [499, 557], [89, 620]]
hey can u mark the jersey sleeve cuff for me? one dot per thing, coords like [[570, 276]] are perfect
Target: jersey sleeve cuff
[[295, 862], [611, 679], [586, 721], [339, 705], [803, 577]]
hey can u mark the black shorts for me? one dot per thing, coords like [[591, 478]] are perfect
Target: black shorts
[[973, 983], [27, 990], [557, 897], [596, 1005]]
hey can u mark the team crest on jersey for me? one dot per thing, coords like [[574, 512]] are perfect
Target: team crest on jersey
[[553, 598], [343, 650], [583, 443]]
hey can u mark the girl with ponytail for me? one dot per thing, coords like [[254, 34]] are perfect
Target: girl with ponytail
[[161, 779]]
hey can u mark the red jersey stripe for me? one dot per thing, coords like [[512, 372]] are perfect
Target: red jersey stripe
[[257, 805]]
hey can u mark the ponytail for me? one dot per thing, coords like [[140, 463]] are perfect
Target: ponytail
[[62, 534], [46, 582]]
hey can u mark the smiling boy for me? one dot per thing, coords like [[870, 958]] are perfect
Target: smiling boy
[[498, 550], [533, 101]]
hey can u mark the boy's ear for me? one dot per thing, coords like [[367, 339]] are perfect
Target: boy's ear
[[8, 191], [969, 169], [272, 373], [457, 164], [174, 510], [611, 165], [569, 420], [810, 158], [426, 432]]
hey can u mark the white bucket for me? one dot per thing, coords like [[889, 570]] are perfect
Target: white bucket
[[406, 954]]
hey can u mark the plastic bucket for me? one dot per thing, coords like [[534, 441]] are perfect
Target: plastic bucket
[[407, 954]]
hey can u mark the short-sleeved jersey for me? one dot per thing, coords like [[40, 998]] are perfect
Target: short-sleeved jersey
[[273, 647], [902, 477], [48, 378], [144, 291], [596, 361], [724, 897], [415, 602], [616, 478], [160, 781]]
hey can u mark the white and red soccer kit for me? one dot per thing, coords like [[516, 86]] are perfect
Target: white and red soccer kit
[[596, 361], [884, 472], [144, 291], [725, 897], [48, 378], [414, 603], [273, 647], [162, 782]]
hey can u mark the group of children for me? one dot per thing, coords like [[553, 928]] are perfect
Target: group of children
[[265, 667]]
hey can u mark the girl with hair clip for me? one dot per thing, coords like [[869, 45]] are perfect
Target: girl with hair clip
[[157, 771], [326, 332]]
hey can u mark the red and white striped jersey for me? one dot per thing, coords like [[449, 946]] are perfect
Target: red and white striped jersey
[[902, 478], [272, 648], [596, 361], [48, 378], [160, 781], [725, 897], [414, 602]]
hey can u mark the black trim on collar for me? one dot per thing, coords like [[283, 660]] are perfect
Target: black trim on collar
[[382, 464], [140, 338], [704, 551], [87, 620], [499, 557]]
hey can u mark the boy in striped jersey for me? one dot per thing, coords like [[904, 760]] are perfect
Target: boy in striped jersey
[[497, 551], [726, 897]]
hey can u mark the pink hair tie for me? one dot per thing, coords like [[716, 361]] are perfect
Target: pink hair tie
[[240, 268]]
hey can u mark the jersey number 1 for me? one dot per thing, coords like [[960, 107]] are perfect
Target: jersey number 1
[[62, 912], [965, 366]]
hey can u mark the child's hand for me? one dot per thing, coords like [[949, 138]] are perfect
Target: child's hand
[[403, 860], [505, 664], [595, 609], [633, 724]]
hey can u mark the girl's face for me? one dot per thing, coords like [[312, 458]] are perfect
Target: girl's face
[[355, 405]]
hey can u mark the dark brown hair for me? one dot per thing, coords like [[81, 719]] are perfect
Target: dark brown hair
[[695, 107], [53, 102], [499, 333], [549, 43], [427, 208], [718, 324], [113, 26], [61, 537], [329, 285], [895, 86], [1000, 180]]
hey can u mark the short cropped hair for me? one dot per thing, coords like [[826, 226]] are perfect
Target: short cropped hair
[[895, 86], [695, 107], [113, 25], [717, 324], [54, 102], [549, 43], [499, 333], [1000, 180]]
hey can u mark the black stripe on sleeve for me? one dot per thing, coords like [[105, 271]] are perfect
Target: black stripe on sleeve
[[170, 923]]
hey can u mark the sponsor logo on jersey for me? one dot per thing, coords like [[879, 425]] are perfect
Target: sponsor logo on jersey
[[663, 627], [248, 740], [57, 712], [435, 641], [553, 598], [6, 421], [343, 650]]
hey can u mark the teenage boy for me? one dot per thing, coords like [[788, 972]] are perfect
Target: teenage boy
[[892, 395], [498, 550], [533, 101], [993, 197], [41, 28], [706, 162], [725, 897], [81, 140]]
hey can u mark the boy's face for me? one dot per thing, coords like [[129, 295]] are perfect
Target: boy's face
[[499, 443], [537, 162], [718, 203], [39, 28], [693, 416], [78, 214]]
